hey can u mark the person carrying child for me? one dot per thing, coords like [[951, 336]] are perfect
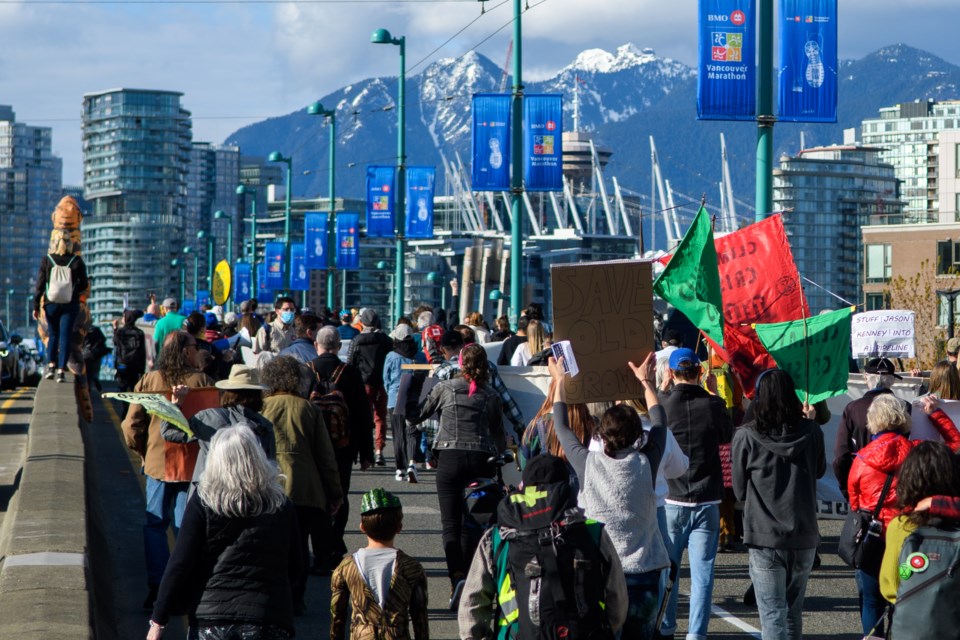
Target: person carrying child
[[385, 588]]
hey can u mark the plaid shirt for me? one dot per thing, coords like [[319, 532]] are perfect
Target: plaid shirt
[[945, 507], [449, 368]]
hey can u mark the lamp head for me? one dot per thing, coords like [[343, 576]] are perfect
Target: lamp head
[[186, 250], [276, 156], [219, 215], [316, 109], [201, 234], [496, 295], [174, 262], [382, 264], [242, 189], [432, 276], [381, 36]]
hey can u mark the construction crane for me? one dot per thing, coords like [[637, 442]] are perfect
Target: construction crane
[[728, 211], [667, 207], [506, 65]]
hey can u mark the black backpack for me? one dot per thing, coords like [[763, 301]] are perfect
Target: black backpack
[[550, 574], [929, 588], [130, 349]]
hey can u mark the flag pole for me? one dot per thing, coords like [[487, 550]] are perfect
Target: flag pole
[[806, 345]]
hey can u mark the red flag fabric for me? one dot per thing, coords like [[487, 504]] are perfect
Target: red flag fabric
[[760, 284]]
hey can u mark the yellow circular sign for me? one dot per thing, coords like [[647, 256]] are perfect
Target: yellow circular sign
[[221, 282]]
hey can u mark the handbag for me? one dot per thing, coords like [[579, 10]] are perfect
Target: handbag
[[861, 543]]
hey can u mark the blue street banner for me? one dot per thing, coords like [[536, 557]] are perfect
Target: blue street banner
[[242, 282], [381, 193], [264, 294], [542, 149], [189, 306], [726, 83], [348, 240], [491, 142], [299, 277], [420, 189], [315, 240], [274, 253], [203, 297], [807, 90]]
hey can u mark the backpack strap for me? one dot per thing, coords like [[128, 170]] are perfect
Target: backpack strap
[[503, 617], [72, 258], [883, 496], [338, 372], [52, 261]]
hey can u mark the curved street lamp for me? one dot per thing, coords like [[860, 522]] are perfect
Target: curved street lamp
[[223, 215], [276, 156], [316, 109], [382, 36], [243, 190]]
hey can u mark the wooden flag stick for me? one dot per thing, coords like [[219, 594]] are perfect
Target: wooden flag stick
[[806, 345]]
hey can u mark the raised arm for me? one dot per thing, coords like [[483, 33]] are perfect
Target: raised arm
[[646, 373], [572, 447]]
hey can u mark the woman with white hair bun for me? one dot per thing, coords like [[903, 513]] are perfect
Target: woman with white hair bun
[[873, 480], [237, 552]]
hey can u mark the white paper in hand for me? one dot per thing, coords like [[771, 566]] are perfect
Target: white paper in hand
[[564, 349]]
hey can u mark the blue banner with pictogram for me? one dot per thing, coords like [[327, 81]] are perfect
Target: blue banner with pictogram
[[420, 190], [242, 282], [274, 253], [726, 82], [381, 194], [348, 240], [542, 147], [807, 88], [315, 240], [203, 297], [264, 294], [491, 142], [299, 276]]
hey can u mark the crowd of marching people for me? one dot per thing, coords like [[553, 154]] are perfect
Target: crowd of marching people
[[257, 490]]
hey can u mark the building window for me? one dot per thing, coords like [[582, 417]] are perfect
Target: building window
[[956, 160], [879, 262], [948, 258], [877, 301]]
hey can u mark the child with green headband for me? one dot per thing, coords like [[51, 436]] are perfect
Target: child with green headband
[[386, 588]]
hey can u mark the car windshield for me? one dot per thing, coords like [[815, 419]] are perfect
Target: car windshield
[[3, 333]]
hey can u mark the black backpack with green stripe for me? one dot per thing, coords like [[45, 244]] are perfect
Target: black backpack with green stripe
[[551, 576], [929, 589]]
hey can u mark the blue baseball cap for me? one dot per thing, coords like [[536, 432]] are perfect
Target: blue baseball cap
[[683, 358]]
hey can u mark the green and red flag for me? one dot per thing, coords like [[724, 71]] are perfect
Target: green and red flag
[[691, 280]]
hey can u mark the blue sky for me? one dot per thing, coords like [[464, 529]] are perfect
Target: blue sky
[[240, 62]]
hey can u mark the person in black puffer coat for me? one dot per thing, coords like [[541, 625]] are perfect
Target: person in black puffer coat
[[368, 351], [238, 549]]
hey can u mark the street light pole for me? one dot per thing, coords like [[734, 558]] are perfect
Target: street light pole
[[242, 190], [7, 317], [221, 215], [276, 156], [382, 36], [317, 109], [516, 179], [174, 263], [765, 117]]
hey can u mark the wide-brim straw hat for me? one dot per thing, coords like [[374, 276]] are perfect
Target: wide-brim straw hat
[[242, 377]]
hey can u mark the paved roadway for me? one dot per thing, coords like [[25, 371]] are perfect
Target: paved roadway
[[831, 606]]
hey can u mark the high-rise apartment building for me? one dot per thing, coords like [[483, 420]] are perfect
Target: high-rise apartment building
[[30, 183], [908, 135], [826, 194], [136, 155], [212, 181]]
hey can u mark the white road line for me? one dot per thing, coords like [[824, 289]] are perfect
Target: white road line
[[725, 615]]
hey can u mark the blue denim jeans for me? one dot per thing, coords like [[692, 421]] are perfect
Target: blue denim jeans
[[872, 602], [166, 502], [696, 529], [780, 580], [60, 320], [643, 595]]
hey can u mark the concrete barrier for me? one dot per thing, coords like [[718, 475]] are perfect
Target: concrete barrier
[[44, 578]]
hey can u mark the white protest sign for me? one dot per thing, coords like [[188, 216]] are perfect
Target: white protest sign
[[883, 334]]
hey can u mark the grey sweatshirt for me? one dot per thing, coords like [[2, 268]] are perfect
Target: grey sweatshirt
[[776, 478]]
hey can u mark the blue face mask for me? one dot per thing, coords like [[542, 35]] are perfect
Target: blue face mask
[[286, 317]]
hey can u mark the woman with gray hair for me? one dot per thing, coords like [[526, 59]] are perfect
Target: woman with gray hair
[[237, 553], [873, 479], [306, 458]]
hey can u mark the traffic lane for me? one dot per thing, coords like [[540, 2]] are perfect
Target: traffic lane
[[16, 408]]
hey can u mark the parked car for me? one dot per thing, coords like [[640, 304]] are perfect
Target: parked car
[[9, 359], [30, 363]]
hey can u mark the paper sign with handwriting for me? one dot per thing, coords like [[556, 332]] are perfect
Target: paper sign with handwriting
[[605, 310], [883, 334]]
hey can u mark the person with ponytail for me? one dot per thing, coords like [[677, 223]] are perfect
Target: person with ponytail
[[470, 432]]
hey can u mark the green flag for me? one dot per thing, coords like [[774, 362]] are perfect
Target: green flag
[[691, 280], [816, 355]]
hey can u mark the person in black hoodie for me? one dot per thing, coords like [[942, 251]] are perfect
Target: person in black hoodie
[[777, 459], [350, 384], [700, 422], [368, 352]]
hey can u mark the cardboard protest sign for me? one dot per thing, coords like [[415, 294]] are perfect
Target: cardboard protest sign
[[883, 334], [605, 310]]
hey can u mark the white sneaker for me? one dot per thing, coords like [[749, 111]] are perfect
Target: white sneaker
[[412, 474], [49, 374], [400, 475]]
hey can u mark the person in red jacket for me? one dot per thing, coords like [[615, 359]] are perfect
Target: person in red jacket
[[889, 425]]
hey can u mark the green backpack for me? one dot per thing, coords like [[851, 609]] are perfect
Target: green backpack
[[929, 590]]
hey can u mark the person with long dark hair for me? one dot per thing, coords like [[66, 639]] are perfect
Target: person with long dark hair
[[129, 351], [237, 554], [777, 458], [470, 432]]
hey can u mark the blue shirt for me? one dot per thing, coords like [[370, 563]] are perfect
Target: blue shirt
[[347, 332]]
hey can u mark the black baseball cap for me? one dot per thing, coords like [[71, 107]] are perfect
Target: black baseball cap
[[882, 366]]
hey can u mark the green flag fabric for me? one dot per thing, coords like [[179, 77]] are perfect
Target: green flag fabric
[[156, 404], [691, 280], [817, 358]]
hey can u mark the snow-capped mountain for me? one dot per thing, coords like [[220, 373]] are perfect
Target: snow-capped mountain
[[624, 97]]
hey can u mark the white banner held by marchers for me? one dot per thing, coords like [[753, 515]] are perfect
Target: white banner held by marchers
[[883, 334]]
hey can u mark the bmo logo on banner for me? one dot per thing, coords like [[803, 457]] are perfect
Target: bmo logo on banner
[[737, 17]]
